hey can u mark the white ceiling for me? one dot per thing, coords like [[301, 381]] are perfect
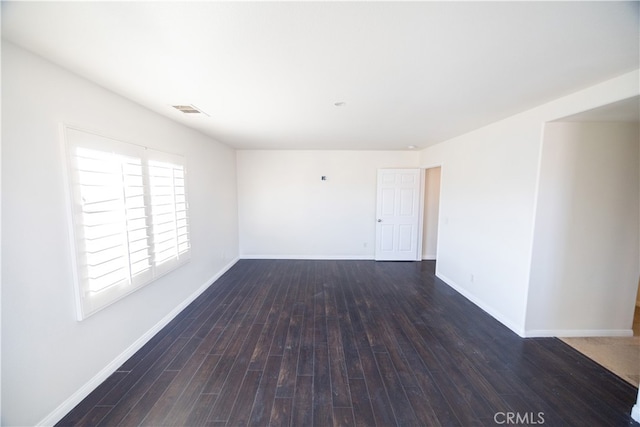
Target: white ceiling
[[268, 73]]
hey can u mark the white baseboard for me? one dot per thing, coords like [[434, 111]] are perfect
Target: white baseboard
[[309, 257], [105, 372], [486, 307], [535, 333], [429, 257], [568, 333]]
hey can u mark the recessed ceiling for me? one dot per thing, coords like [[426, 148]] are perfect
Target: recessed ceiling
[[269, 74]]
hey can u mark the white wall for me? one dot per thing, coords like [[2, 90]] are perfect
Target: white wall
[[486, 211], [48, 356], [488, 198], [431, 213], [585, 269], [287, 211]]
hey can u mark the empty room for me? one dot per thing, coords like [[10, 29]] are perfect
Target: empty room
[[320, 213]]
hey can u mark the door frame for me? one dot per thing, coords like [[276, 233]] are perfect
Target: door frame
[[420, 225], [424, 194]]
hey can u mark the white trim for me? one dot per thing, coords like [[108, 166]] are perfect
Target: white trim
[[534, 333], [71, 223], [367, 257], [65, 407], [118, 154], [394, 255], [423, 179], [484, 306], [432, 166], [439, 227], [568, 333]]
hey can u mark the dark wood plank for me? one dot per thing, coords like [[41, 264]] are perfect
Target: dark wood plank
[[94, 416], [174, 391], [222, 409], [241, 412], [280, 332], [362, 411], [422, 408], [401, 407], [130, 396], [185, 354], [155, 361], [184, 404], [200, 410], [266, 392], [140, 410], [321, 343], [281, 413], [76, 415], [305, 355], [338, 368], [322, 406], [343, 417], [349, 347], [380, 400], [302, 410], [432, 399], [220, 301], [215, 383], [263, 346]]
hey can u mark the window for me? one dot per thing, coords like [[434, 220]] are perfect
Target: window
[[130, 216]]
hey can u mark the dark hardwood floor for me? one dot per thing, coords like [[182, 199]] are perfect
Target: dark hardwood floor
[[321, 343]]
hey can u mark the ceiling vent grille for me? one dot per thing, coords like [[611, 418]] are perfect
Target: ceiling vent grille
[[188, 109]]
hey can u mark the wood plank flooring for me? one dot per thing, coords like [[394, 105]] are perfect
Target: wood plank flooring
[[349, 343]]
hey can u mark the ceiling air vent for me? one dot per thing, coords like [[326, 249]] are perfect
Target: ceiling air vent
[[189, 109]]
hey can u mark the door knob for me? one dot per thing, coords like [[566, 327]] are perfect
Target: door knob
[[379, 220]]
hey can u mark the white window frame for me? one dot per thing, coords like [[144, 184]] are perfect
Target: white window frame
[[129, 216]]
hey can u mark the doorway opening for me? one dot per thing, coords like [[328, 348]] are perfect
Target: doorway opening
[[431, 213]]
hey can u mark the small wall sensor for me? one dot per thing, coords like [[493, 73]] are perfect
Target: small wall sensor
[[324, 178]]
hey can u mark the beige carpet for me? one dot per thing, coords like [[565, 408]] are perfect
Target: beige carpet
[[619, 355]]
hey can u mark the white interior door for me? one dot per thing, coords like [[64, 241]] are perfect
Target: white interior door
[[399, 215]]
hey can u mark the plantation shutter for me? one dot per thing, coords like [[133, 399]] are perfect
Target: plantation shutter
[[169, 211], [130, 220]]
